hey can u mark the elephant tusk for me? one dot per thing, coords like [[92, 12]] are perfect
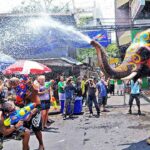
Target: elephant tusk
[[133, 74]]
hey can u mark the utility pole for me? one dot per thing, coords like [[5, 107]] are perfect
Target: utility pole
[[117, 41]]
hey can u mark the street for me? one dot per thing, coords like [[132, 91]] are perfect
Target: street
[[114, 130], [60, 51]]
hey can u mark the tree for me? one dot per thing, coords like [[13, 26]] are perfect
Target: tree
[[38, 6], [85, 53], [112, 50], [32, 6], [84, 20]]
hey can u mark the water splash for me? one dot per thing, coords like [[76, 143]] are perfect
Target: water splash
[[24, 36], [47, 22]]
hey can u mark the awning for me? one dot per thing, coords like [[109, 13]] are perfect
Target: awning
[[63, 61]]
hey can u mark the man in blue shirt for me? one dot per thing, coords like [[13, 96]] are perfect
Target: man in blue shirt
[[102, 93], [135, 94], [69, 90]]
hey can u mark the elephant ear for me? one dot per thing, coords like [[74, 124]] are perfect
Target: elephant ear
[[144, 53]]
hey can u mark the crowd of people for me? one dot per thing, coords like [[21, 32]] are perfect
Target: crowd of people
[[16, 93]]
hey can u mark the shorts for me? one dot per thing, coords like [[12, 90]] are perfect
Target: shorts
[[45, 104], [120, 87], [35, 122], [102, 100]]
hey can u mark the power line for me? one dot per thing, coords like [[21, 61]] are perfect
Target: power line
[[116, 27]]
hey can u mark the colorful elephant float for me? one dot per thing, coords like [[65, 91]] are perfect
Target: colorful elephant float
[[136, 63]]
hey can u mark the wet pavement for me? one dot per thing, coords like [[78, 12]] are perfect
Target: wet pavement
[[114, 130]]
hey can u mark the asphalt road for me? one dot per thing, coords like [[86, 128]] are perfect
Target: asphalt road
[[114, 130]]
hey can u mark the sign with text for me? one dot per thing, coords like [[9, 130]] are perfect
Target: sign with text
[[100, 36]]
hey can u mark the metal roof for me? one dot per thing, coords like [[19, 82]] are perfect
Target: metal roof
[[63, 61]]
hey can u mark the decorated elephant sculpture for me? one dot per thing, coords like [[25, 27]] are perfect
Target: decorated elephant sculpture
[[136, 63]]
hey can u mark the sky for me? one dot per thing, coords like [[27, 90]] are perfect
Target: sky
[[106, 6], [107, 10], [6, 5]]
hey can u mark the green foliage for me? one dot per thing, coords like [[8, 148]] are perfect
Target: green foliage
[[84, 20], [35, 6], [112, 50], [85, 53], [32, 6]]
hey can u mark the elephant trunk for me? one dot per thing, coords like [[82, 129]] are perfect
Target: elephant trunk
[[120, 72]]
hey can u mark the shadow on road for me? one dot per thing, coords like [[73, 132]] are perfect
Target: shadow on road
[[51, 129], [71, 118], [142, 145], [124, 105], [136, 114]]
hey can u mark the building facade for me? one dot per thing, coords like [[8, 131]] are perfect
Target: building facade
[[132, 16]]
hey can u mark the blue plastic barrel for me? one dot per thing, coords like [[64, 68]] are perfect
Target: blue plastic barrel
[[77, 105]]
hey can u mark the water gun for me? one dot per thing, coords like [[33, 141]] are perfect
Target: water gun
[[48, 84], [54, 103], [18, 115]]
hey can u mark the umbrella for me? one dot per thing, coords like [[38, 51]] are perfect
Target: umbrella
[[26, 67]]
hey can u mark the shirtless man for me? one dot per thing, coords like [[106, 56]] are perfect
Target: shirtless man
[[7, 108], [32, 96]]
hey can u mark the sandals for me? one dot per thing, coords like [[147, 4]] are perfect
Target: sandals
[[47, 127]]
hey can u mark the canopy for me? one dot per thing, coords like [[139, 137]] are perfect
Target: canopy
[[26, 67]]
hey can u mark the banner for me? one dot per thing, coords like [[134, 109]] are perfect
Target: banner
[[100, 36]]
